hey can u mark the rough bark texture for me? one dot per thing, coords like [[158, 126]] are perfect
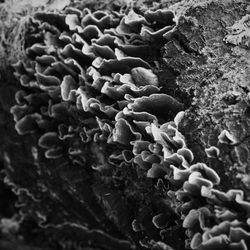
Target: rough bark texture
[[215, 71]]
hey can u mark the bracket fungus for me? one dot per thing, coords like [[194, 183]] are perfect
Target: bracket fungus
[[227, 138], [91, 98], [212, 152]]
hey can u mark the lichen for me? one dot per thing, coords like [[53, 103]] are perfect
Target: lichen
[[239, 33]]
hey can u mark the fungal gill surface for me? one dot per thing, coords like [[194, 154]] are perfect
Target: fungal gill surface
[[110, 168]]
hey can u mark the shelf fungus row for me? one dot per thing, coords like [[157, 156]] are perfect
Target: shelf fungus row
[[90, 79], [92, 64], [213, 219]]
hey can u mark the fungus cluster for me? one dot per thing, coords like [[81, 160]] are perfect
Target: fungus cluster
[[89, 84], [94, 63]]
